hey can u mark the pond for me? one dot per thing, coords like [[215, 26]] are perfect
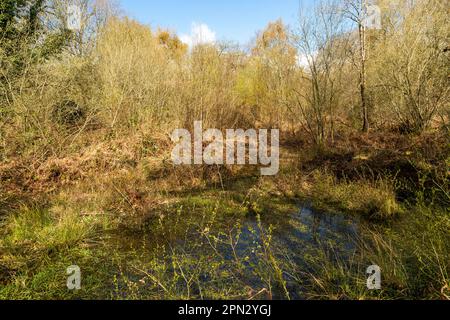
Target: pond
[[244, 254]]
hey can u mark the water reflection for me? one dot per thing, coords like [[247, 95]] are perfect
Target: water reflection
[[231, 240]]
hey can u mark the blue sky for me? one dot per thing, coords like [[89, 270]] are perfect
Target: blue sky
[[232, 20]]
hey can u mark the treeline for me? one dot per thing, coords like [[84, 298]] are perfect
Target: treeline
[[327, 74]]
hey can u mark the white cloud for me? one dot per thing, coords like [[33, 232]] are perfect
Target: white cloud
[[200, 34], [302, 61]]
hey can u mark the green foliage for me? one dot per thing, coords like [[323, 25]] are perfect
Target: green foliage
[[23, 35]]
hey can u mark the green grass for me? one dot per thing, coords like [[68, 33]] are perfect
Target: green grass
[[414, 257], [38, 245], [43, 275], [54, 228], [375, 200]]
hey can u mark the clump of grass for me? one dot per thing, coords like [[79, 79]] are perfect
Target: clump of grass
[[48, 228], [333, 278], [374, 200], [414, 261], [44, 276], [37, 246]]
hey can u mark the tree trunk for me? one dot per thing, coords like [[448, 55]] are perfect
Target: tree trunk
[[362, 42]]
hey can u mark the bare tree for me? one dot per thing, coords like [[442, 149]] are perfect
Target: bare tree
[[321, 43], [412, 63], [356, 11], [94, 15]]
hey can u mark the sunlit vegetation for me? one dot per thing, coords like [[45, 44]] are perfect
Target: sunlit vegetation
[[86, 176]]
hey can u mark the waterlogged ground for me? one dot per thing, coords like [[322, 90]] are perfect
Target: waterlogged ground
[[208, 254], [250, 239], [247, 239], [160, 232]]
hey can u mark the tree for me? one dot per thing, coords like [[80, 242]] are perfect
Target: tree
[[171, 42], [274, 67], [94, 16], [24, 41], [411, 64], [322, 44], [23, 34], [357, 11]]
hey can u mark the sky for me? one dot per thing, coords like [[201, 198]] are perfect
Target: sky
[[201, 21]]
